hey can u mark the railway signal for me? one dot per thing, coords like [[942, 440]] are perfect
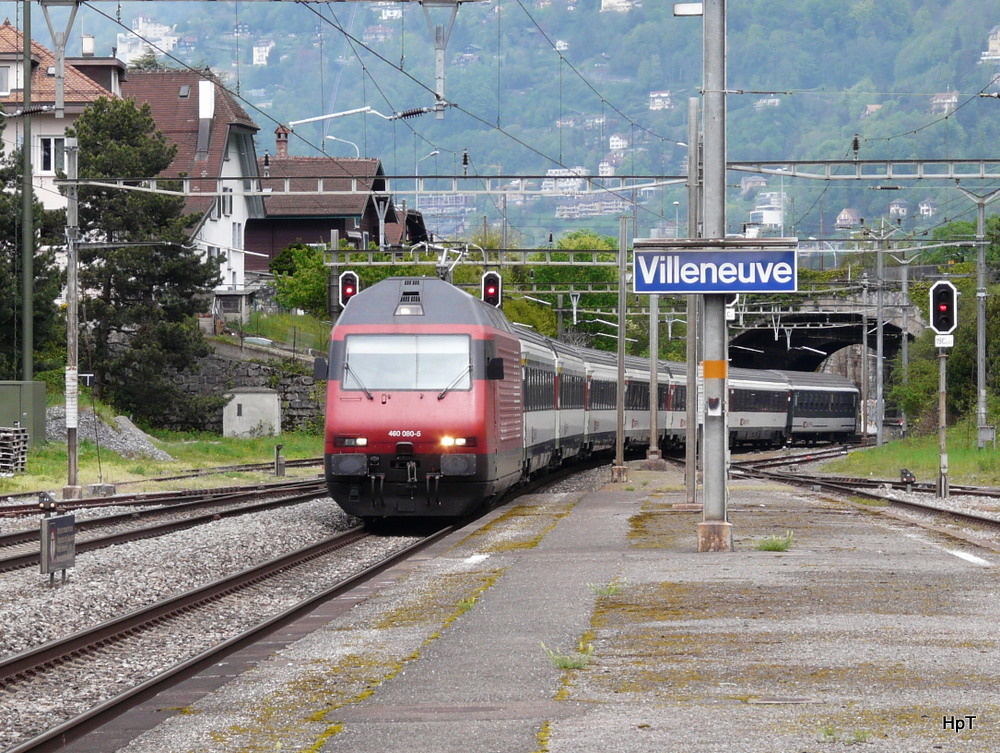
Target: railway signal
[[944, 307], [492, 289], [349, 287]]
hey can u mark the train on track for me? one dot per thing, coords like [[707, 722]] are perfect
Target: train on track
[[437, 404]]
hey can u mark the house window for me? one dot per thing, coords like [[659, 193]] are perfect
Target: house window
[[224, 204], [53, 154], [4, 79]]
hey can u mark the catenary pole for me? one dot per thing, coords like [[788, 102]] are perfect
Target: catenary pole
[[693, 313], [715, 531], [985, 432], [618, 472], [72, 490], [27, 213]]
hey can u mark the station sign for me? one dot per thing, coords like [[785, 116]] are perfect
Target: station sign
[[686, 272]]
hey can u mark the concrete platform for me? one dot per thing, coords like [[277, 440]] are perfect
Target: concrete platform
[[868, 631]]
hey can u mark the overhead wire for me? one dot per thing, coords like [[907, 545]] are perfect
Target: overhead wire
[[624, 194], [354, 41], [586, 81]]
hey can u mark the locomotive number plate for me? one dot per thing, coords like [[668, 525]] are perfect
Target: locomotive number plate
[[404, 433]]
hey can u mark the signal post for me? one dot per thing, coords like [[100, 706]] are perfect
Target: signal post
[[944, 320]]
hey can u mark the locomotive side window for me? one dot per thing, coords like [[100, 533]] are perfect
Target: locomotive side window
[[407, 362]]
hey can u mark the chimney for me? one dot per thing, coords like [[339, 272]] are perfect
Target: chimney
[[87, 45], [281, 142]]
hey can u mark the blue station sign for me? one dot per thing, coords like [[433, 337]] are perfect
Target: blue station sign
[[686, 272]]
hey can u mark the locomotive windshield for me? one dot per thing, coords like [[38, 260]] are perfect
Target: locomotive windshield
[[407, 362]]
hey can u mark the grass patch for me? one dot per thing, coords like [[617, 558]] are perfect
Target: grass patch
[[573, 660], [967, 464], [611, 589], [47, 466], [294, 330], [775, 543]]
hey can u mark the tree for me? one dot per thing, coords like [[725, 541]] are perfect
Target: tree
[[48, 333], [147, 61], [301, 278], [138, 301]]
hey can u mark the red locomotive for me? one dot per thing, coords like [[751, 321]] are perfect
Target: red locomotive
[[424, 402]]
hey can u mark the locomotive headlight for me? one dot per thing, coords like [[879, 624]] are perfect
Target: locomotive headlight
[[350, 442], [458, 441]]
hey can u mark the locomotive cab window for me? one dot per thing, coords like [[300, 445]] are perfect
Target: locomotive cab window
[[407, 362]]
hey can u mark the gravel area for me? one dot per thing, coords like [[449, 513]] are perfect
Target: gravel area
[[126, 438], [110, 582]]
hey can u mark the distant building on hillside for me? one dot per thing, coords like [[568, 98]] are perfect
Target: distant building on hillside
[[617, 6], [661, 100], [751, 183], [146, 34], [992, 53], [848, 219], [763, 102], [262, 51], [945, 103]]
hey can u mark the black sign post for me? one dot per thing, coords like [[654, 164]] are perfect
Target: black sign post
[[58, 541]]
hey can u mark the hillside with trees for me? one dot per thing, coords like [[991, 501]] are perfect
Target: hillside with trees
[[546, 84]]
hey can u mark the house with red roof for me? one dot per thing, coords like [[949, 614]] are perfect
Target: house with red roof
[[86, 79], [215, 150], [345, 199], [312, 199]]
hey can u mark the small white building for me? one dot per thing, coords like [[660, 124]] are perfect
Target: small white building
[[252, 412]]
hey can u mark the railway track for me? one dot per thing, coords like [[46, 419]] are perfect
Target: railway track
[[21, 549], [797, 458], [155, 629], [25, 503], [879, 490]]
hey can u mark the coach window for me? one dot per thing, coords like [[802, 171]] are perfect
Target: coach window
[[407, 362], [571, 391], [678, 401]]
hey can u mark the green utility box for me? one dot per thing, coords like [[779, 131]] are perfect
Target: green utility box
[[22, 404]]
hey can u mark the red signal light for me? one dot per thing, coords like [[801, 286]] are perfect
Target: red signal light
[[943, 300], [349, 287], [492, 284]]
